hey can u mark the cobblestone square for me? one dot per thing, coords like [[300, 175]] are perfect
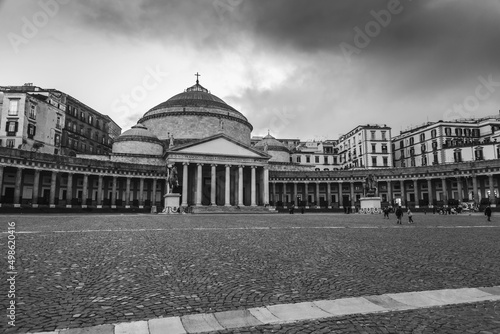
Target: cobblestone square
[[86, 270]]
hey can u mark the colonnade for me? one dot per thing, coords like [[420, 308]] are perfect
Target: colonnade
[[413, 192], [210, 184], [33, 187]]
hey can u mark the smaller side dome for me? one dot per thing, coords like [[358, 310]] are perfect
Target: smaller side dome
[[138, 141], [278, 151]]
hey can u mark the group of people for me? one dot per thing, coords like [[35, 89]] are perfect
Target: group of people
[[399, 215]]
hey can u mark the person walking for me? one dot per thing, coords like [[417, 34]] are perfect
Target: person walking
[[399, 215], [487, 212], [410, 216]]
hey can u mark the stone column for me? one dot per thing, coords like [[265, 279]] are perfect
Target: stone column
[[328, 195], [113, 192], [227, 186], [240, 186], [403, 193], [53, 180], [294, 201], [213, 184], [141, 193], [1, 184], [389, 192], [317, 194], [417, 193], [341, 198], [85, 190], [445, 191], [185, 184], [306, 194], [431, 192], [36, 188], [127, 192], [274, 193], [17, 189], [253, 189], [352, 194], [460, 190], [266, 185], [199, 173], [474, 189], [69, 190], [99, 191], [153, 195], [492, 191]]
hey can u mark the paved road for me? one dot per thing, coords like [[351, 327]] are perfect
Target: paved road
[[86, 270]]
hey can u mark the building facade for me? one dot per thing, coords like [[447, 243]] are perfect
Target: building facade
[[218, 168]]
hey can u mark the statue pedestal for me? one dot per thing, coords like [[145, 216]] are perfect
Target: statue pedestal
[[171, 203], [370, 205]]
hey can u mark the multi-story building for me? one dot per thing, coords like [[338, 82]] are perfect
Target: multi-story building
[[366, 146], [32, 118], [321, 155], [441, 142], [86, 130]]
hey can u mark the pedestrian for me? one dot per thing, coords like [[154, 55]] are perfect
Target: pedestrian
[[399, 215], [386, 212], [302, 210], [292, 207], [410, 216], [487, 212]]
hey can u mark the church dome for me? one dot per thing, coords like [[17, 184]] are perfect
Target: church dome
[[138, 140], [278, 151], [196, 114]]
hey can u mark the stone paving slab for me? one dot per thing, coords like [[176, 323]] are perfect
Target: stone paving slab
[[199, 323], [235, 319], [103, 329], [348, 306], [172, 325], [288, 313]]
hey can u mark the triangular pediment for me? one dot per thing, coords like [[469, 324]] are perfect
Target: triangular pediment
[[220, 145]]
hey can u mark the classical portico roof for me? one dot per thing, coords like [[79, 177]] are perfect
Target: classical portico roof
[[218, 148]]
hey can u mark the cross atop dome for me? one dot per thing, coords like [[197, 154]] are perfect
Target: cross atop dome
[[197, 87]]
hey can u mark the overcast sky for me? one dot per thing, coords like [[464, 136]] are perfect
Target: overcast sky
[[308, 69]]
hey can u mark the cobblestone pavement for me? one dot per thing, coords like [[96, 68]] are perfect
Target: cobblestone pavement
[[86, 270]]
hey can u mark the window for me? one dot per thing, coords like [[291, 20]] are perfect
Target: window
[[82, 116], [13, 107], [412, 140], [424, 160], [457, 155], [58, 122], [374, 148], [401, 144], [447, 131], [57, 140], [412, 151], [433, 133], [383, 135], [423, 148], [32, 113], [374, 161], [435, 161], [413, 162], [11, 128], [373, 135], [384, 148], [478, 153], [97, 125], [316, 159], [326, 160], [385, 161], [434, 145], [31, 131], [10, 143], [422, 137], [91, 119], [308, 159]]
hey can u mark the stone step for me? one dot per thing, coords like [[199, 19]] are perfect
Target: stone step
[[231, 209]]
